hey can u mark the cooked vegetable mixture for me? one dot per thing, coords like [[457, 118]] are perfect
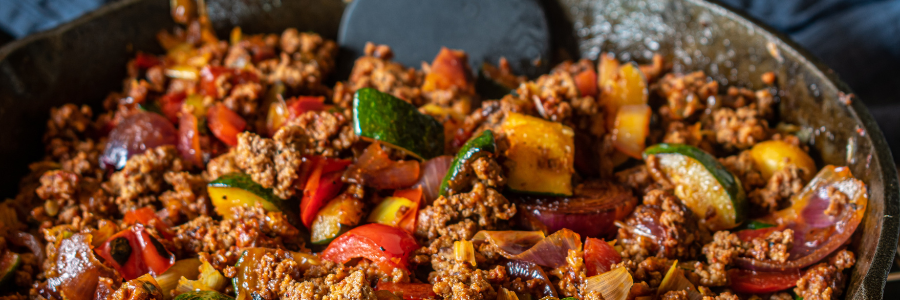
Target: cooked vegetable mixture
[[232, 169]]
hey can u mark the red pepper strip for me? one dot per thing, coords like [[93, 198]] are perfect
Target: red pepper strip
[[225, 124], [133, 252], [758, 282], [209, 75], [415, 195], [599, 256], [146, 61], [170, 105], [388, 247], [189, 140], [586, 82], [324, 183], [411, 291], [302, 104], [148, 217]]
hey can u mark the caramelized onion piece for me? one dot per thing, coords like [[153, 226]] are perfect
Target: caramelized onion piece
[[590, 212], [134, 135]]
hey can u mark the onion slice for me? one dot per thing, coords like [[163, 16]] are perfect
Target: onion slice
[[433, 172], [613, 285], [818, 230], [528, 271], [590, 212], [676, 281], [532, 246]]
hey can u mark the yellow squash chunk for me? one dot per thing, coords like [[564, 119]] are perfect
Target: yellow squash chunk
[[338, 215], [540, 156], [620, 85], [225, 198], [772, 156], [391, 211], [631, 129]]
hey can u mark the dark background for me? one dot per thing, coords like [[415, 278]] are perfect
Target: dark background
[[859, 39]]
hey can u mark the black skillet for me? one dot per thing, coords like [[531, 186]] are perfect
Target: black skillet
[[82, 61]]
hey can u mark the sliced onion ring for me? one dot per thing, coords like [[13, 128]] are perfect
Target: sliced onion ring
[[816, 234], [591, 212]]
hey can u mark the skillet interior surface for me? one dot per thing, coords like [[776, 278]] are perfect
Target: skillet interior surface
[[81, 62]]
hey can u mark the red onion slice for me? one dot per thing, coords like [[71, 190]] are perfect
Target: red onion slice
[[433, 172], [532, 246], [816, 234], [528, 271], [134, 135], [591, 212]]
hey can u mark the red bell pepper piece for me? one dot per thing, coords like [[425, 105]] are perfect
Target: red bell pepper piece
[[148, 217], [599, 256], [388, 247], [302, 104], [170, 105], [225, 124], [134, 252], [322, 184], [411, 291], [209, 75], [189, 140], [415, 195], [758, 282], [586, 82], [146, 61]]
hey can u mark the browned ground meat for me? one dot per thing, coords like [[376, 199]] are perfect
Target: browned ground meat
[[453, 279], [680, 238], [778, 191], [739, 129], [742, 166], [273, 163], [252, 227], [726, 246], [825, 280], [686, 95], [187, 199], [376, 70], [302, 66], [329, 133]]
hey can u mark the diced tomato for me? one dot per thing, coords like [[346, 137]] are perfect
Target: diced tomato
[[388, 247], [148, 217], [758, 282], [134, 252], [599, 256], [209, 75], [302, 104], [146, 61], [323, 183], [189, 140], [170, 105], [586, 81], [449, 69], [259, 49], [225, 124], [411, 291]]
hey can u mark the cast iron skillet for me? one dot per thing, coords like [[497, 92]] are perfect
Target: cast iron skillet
[[82, 61]]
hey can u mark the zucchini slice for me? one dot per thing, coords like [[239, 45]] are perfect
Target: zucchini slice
[[238, 189], [380, 116], [479, 146], [338, 216], [714, 195], [540, 156], [391, 211], [9, 262], [202, 295]]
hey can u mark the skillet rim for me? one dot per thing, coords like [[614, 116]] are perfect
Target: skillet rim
[[874, 280]]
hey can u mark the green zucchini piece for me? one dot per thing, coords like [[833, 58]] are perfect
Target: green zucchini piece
[[202, 295], [757, 225], [380, 116], [237, 189], [9, 263], [703, 184], [479, 146]]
